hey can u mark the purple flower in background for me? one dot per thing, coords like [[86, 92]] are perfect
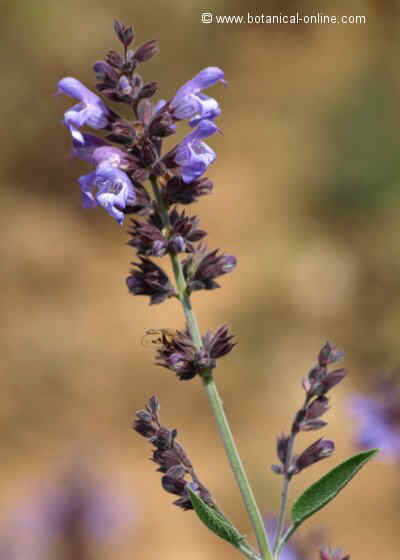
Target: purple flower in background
[[291, 550], [289, 553], [303, 548], [72, 510], [90, 110], [189, 103], [330, 554], [378, 420], [193, 155]]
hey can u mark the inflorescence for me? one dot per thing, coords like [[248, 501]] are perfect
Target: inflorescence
[[131, 151], [129, 155], [132, 175], [170, 457], [125, 160], [316, 384]]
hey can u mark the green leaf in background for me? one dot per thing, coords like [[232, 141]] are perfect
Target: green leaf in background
[[328, 487], [215, 521]]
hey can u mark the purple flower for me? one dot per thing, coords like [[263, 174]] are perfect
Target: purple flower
[[113, 188], [85, 149], [90, 110], [190, 103], [378, 419], [193, 155]]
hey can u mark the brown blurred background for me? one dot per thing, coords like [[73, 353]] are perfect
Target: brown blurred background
[[308, 197]]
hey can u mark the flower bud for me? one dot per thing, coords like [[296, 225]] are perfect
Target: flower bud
[[321, 449], [329, 354], [146, 51], [124, 34]]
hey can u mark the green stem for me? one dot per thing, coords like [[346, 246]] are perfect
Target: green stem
[[249, 553], [215, 400], [237, 467]]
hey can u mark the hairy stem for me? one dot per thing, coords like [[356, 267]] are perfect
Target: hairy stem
[[215, 400]]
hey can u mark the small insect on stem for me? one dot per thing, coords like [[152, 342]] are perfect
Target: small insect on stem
[[157, 336]]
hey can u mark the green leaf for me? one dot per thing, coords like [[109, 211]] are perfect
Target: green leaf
[[328, 487], [215, 521]]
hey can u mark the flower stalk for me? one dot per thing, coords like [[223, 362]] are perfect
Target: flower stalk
[[215, 400], [124, 160], [316, 385]]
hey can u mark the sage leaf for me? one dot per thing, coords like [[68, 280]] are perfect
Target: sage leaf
[[328, 487], [215, 521]]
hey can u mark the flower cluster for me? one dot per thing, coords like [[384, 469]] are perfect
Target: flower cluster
[[179, 354], [378, 419], [150, 239], [201, 268], [131, 150], [130, 153], [316, 385], [170, 457], [150, 280]]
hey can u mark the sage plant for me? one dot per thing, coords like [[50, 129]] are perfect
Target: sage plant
[[132, 174]]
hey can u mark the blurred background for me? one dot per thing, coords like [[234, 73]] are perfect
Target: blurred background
[[307, 195]]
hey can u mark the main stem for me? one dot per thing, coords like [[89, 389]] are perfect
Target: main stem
[[237, 467], [214, 398]]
